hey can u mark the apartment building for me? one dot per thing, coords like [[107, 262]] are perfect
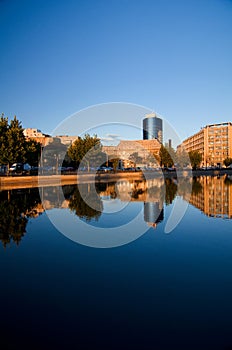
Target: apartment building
[[213, 142]]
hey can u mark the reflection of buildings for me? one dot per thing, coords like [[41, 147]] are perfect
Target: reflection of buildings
[[213, 196], [153, 213], [53, 197], [152, 127], [151, 192], [214, 142]]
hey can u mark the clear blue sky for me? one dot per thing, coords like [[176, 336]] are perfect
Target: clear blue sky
[[174, 57]]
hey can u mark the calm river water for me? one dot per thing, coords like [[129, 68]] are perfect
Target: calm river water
[[150, 290]]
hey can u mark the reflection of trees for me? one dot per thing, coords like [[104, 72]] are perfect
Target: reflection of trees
[[15, 209], [136, 189], [101, 186], [171, 189], [109, 187], [80, 205], [228, 180]]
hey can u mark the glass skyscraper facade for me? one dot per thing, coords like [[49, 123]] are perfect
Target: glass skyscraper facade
[[152, 127]]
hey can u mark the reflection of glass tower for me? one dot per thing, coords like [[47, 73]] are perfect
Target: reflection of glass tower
[[153, 214], [152, 127]]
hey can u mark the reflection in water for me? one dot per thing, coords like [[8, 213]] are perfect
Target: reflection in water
[[212, 195], [16, 207], [171, 189], [153, 213], [151, 192], [80, 206]]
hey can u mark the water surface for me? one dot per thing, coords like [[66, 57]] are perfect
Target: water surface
[[160, 291]]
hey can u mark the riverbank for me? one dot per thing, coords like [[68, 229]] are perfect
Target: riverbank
[[9, 182]]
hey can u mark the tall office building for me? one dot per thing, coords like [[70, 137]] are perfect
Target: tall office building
[[152, 127]]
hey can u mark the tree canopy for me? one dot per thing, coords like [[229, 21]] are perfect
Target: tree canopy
[[33, 152], [227, 161], [13, 145], [87, 150], [166, 159], [12, 141], [182, 158], [135, 158], [195, 159]]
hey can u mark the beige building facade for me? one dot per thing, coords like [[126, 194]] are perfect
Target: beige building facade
[[215, 197], [213, 142], [147, 150], [44, 140]]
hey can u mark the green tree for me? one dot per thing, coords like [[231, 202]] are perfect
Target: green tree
[[152, 158], [3, 139], [12, 141], [114, 162], [171, 152], [166, 159], [182, 158], [227, 161], [135, 158], [16, 147], [195, 159], [87, 150], [33, 152]]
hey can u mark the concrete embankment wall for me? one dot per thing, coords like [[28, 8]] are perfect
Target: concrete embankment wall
[[11, 182]]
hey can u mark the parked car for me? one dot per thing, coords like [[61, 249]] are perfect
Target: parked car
[[20, 168], [3, 169], [61, 169], [104, 169], [34, 170], [70, 168], [130, 169]]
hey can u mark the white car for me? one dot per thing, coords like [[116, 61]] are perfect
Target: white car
[[20, 168]]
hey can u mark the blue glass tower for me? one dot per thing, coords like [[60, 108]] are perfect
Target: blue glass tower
[[152, 127]]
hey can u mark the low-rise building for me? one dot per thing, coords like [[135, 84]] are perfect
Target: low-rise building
[[67, 140], [146, 150], [44, 139], [32, 133], [37, 135]]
